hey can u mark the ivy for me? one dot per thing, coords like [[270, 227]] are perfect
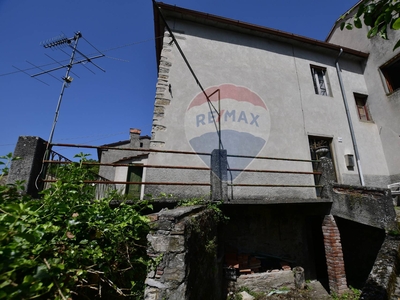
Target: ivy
[[68, 245]]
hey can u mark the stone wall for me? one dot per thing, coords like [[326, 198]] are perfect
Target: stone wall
[[163, 91], [381, 282], [266, 281], [366, 205], [183, 242], [31, 150]]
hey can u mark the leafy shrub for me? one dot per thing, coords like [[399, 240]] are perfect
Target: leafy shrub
[[69, 246]]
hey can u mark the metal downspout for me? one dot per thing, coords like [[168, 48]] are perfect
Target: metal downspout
[[353, 137]]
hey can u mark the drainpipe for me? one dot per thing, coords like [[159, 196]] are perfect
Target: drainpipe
[[353, 137]]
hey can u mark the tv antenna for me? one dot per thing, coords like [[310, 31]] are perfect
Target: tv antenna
[[67, 79], [59, 42]]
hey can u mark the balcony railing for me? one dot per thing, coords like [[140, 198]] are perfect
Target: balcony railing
[[219, 179], [56, 162]]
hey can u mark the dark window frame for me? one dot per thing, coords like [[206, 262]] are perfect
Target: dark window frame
[[361, 102], [320, 80], [390, 71]]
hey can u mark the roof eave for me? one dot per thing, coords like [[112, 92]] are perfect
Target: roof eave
[[342, 19], [208, 19]]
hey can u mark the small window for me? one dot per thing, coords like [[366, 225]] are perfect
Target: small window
[[391, 73], [362, 108], [320, 81]]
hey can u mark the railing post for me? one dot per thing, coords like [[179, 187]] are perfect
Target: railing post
[[219, 175], [328, 176]]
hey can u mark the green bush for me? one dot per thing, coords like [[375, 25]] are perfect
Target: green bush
[[68, 245]]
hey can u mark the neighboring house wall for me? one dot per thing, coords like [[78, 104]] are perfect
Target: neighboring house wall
[[268, 103], [384, 105], [111, 156], [123, 173]]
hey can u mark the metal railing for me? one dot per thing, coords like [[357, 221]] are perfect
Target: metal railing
[[315, 173], [215, 182], [55, 164]]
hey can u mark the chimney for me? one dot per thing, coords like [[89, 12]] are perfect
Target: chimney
[[134, 136]]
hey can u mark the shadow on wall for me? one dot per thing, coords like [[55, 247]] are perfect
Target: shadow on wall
[[360, 244]]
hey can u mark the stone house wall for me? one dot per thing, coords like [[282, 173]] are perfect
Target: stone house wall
[[183, 242]]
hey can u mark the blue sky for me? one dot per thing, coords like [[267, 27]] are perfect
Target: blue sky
[[100, 108]]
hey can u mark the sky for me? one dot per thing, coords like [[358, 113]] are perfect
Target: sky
[[100, 107]]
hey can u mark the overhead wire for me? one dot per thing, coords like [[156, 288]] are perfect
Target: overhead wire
[[210, 105], [23, 71], [41, 69], [65, 60]]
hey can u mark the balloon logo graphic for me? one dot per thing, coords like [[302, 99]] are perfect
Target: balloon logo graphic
[[245, 124]]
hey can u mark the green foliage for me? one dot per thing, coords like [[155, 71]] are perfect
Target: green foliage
[[5, 161], [93, 165], [378, 16], [353, 294], [69, 245], [215, 206], [256, 295]]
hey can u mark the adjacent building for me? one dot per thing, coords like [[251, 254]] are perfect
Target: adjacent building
[[381, 102], [125, 165]]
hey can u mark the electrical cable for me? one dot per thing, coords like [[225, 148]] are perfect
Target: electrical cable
[[107, 50], [101, 136], [193, 74], [23, 71], [43, 70]]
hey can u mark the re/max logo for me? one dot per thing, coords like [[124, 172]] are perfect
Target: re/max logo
[[226, 116]]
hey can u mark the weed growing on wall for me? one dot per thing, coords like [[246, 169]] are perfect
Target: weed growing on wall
[[213, 205], [68, 245]]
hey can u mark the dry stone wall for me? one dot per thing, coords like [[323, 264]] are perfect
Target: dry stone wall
[[183, 242]]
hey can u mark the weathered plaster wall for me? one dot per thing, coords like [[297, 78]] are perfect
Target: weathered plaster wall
[[269, 82], [384, 107], [112, 156]]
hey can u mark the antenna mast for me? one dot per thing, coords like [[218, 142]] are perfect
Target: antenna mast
[[67, 79]]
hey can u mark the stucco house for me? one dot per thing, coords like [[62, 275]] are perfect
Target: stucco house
[[277, 101], [381, 76], [279, 95], [125, 165]]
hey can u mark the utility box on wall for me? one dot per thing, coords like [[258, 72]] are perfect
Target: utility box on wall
[[349, 158]]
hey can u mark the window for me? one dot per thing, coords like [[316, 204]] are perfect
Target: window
[[362, 108], [320, 81], [391, 73]]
